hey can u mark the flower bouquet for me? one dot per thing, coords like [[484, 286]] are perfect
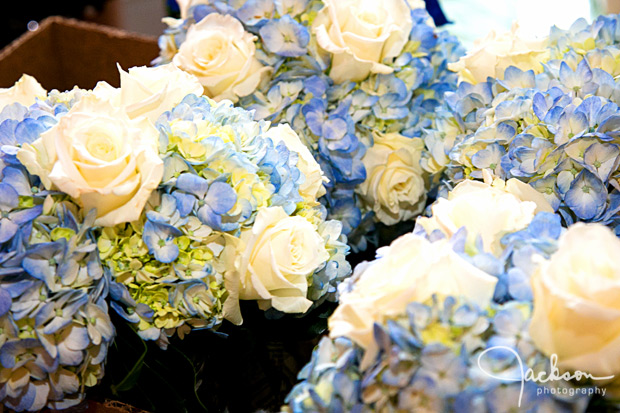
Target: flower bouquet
[[357, 81], [446, 320], [171, 206], [553, 124], [54, 324], [500, 298]]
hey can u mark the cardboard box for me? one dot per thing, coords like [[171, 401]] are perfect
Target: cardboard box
[[65, 52]]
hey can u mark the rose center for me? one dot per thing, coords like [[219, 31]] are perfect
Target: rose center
[[369, 17], [213, 48], [102, 147]]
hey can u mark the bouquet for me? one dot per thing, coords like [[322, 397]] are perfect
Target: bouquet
[[500, 298], [553, 124], [489, 305], [170, 206], [357, 81], [54, 324]]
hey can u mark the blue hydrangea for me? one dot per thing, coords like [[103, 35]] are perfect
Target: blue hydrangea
[[336, 121], [54, 324], [432, 359], [220, 168], [555, 130]]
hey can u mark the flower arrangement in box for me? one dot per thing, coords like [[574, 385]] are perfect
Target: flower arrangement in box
[[483, 308], [167, 205], [358, 81]]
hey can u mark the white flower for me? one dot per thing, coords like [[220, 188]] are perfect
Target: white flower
[[493, 54], [221, 55], [577, 301], [312, 188], [411, 269], [395, 187], [486, 210], [361, 35], [150, 91], [417, 4], [24, 91], [275, 258], [99, 157]]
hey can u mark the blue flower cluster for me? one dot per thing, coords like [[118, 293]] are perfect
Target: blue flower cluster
[[433, 359], [54, 323], [219, 170], [337, 122], [556, 130], [515, 265], [448, 354]]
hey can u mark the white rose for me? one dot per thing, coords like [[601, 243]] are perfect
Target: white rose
[[410, 269], [222, 55], [395, 187], [99, 157], [24, 91], [493, 54], [417, 4], [150, 91], [577, 301], [312, 188], [486, 210], [361, 35], [276, 257]]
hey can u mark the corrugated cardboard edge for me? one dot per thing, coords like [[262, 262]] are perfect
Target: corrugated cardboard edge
[[65, 52], [49, 21]]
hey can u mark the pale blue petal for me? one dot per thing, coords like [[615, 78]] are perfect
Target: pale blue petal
[[185, 203], [149, 334], [5, 301], [8, 228], [221, 197], [587, 196], [602, 159], [192, 184], [8, 197]]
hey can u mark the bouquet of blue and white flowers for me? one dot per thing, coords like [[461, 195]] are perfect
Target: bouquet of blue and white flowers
[[553, 124], [489, 305], [172, 206], [358, 81], [500, 299], [54, 323]]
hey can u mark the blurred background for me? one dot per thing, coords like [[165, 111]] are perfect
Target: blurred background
[[140, 16], [470, 19]]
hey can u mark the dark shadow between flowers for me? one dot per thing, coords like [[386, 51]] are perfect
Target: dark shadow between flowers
[[238, 369]]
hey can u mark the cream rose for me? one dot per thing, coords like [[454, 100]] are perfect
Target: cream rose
[[486, 210], [395, 187], [99, 157], [150, 91], [312, 188], [361, 35], [493, 54], [276, 257], [577, 301], [410, 269], [417, 4], [222, 56], [24, 91]]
